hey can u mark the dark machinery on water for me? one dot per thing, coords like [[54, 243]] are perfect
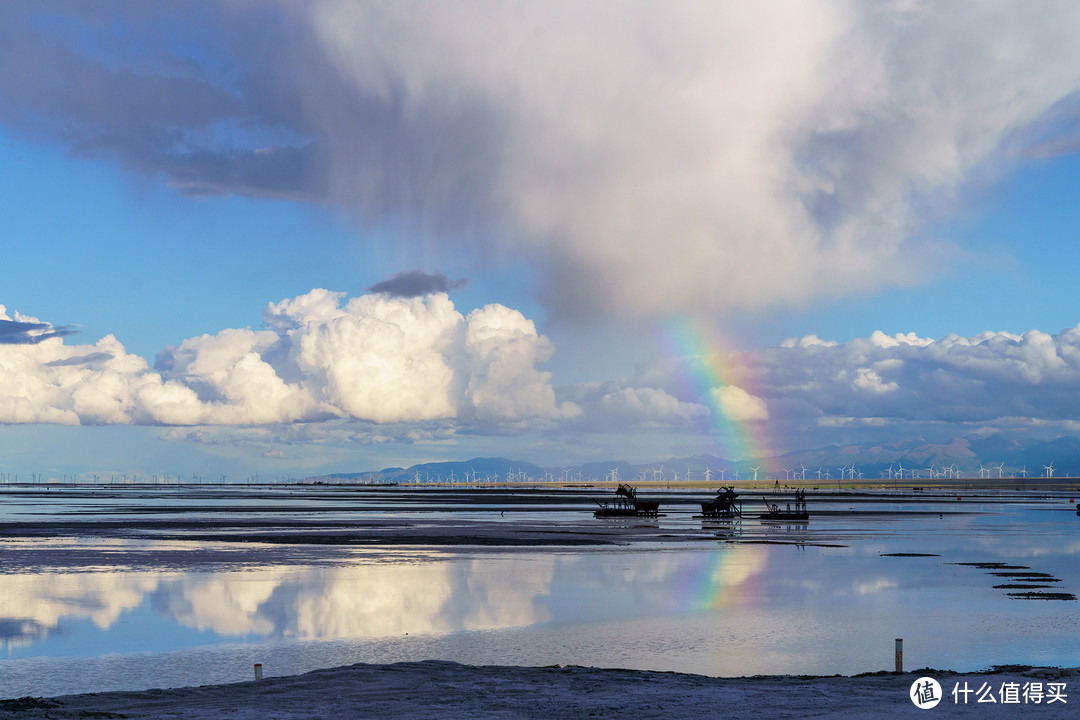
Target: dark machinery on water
[[797, 514], [724, 505], [626, 504]]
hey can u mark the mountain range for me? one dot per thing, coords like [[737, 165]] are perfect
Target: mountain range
[[967, 456]]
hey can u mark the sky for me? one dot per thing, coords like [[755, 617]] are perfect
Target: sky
[[284, 238]]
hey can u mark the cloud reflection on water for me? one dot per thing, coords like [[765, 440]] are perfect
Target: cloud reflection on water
[[38, 602], [357, 601], [769, 607], [376, 600]]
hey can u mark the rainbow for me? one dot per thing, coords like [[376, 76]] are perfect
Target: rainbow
[[704, 370], [724, 578]]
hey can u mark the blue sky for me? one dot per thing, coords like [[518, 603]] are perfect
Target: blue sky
[[582, 179]]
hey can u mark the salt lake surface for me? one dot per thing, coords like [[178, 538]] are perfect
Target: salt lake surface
[[132, 588]]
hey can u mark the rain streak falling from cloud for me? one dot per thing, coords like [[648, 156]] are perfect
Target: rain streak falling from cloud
[[707, 158]]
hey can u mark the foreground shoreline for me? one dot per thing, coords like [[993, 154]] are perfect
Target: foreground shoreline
[[451, 690]]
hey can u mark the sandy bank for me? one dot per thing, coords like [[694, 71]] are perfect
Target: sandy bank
[[449, 690]]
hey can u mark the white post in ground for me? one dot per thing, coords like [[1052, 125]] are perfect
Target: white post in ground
[[899, 655], [258, 671]]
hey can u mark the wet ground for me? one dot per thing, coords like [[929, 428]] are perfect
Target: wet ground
[[111, 588]]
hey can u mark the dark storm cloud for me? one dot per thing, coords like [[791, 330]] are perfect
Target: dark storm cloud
[[15, 332], [81, 360], [245, 102], [648, 163], [153, 109], [415, 283]]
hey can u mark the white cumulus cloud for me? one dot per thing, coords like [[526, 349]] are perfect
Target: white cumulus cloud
[[375, 358], [905, 377], [738, 405]]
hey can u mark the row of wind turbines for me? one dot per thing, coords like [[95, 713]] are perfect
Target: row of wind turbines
[[473, 477], [948, 472], [845, 472], [657, 474]]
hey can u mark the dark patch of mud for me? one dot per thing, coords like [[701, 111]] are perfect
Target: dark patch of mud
[[992, 565], [1041, 595]]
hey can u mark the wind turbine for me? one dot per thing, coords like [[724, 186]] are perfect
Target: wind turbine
[[755, 472], [1049, 469]]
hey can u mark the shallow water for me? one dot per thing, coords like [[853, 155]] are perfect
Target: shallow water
[[89, 611]]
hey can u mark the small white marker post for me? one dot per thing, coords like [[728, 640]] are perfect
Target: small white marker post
[[258, 671], [899, 655]]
